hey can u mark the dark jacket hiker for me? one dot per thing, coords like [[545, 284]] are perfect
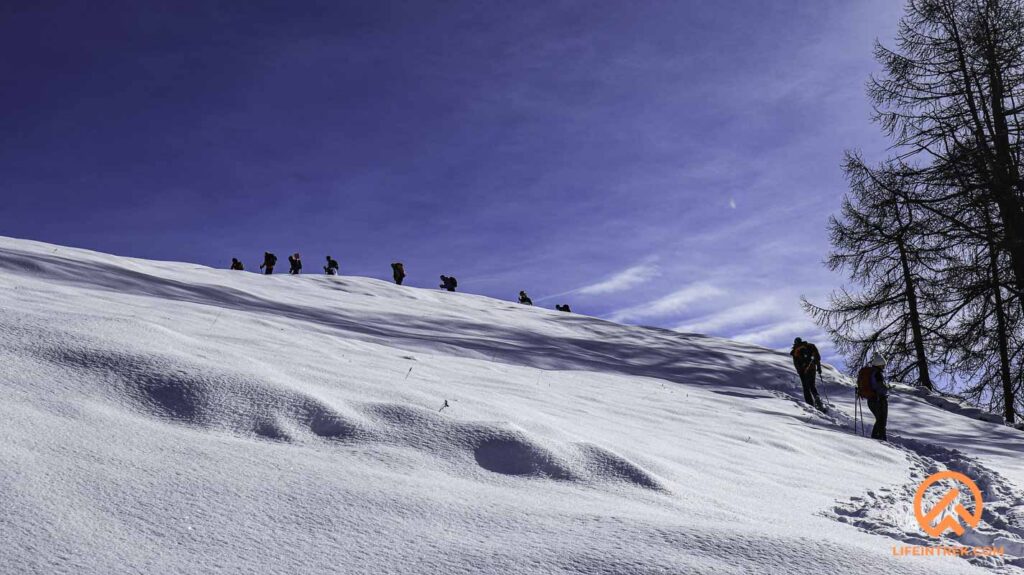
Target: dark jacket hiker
[[237, 265], [331, 268], [449, 283], [398, 272], [295, 261], [563, 307], [269, 261], [525, 299], [807, 362], [871, 386]]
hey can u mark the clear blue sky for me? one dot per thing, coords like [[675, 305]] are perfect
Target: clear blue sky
[[660, 163]]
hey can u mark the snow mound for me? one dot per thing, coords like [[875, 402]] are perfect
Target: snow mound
[[170, 418]]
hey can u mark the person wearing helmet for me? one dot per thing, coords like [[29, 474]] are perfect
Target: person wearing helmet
[[525, 299], [878, 403], [807, 361]]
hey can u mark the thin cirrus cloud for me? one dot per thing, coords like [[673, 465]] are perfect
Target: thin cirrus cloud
[[740, 317], [780, 334], [766, 321], [626, 279], [676, 302]]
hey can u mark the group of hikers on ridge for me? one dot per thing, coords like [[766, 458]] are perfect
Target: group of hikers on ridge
[[806, 358], [448, 283], [870, 383]]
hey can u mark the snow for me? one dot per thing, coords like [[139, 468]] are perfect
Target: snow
[[162, 417]]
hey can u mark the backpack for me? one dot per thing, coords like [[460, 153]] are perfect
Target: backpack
[[803, 356], [864, 377], [271, 259], [455, 282]]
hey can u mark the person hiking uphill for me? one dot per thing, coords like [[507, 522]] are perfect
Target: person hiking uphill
[[561, 307], [269, 261], [807, 360], [237, 265], [398, 272], [331, 268], [525, 299], [871, 386], [295, 261], [449, 283]]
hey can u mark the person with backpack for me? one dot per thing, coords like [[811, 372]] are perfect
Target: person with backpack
[[295, 261], [398, 272], [807, 361], [871, 386], [563, 307], [237, 265], [331, 268], [525, 299], [269, 261], [449, 283]]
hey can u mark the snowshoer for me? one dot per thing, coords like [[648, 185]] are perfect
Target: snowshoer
[[525, 299], [331, 268], [807, 360], [295, 261], [269, 261], [237, 265], [398, 272], [563, 307], [871, 386], [449, 283]]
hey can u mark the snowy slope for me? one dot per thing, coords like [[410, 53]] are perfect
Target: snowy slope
[[170, 418]]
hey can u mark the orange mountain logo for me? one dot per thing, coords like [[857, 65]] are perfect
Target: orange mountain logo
[[948, 521]]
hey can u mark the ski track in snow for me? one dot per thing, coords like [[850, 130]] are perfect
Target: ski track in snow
[[168, 418]]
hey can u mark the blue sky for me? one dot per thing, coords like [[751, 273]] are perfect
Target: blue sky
[[658, 163]]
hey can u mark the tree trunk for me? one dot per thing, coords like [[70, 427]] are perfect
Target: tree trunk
[[1002, 336], [915, 320]]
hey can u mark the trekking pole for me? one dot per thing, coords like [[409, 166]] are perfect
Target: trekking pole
[[825, 391], [856, 419], [860, 417]]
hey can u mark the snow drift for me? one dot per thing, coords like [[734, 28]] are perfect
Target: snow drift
[[164, 417]]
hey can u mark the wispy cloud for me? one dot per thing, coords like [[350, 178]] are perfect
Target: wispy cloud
[[735, 317], [626, 279], [669, 305], [779, 335]]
